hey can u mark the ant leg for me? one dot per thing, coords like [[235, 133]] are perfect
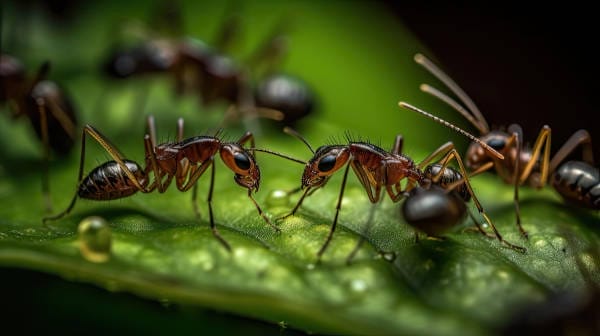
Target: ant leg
[[398, 143], [335, 219], [151, 130], [517, 136], [213, 227], [304, 194], [580, 138], [443, 149], [46, 147], [453, 154], [363, 177], [66, 124], [261, 213], [180, 125], [543, 139]]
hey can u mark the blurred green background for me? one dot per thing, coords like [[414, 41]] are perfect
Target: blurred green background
[[357, 56]]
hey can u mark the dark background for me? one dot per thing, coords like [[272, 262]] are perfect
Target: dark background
[[525, 64]]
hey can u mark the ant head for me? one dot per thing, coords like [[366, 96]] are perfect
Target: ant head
[[242, 163], [326, 161], [478, 156]]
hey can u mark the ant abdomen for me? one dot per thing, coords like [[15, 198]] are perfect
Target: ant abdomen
[[434, 210], [290, 95], [449, 176], [109, 181], [579, 183]]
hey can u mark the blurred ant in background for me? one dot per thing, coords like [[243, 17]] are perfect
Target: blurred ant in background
[[47, 106], [578, 182], [208, 71]]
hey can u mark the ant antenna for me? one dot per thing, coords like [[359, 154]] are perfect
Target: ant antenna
[[453, 127], [452, 103], [294, 133], [277, 154], [451, 84]]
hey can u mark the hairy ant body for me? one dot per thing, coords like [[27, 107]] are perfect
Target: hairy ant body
[[199, 68], [185, 161], [46, 105], [379, 170], [576, 181]]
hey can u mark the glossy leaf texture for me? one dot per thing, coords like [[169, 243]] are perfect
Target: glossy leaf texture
[[462, 284]]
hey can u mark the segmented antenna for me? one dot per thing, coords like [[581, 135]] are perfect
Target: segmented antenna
[[453, 127], [451, 84], [294, 133], [277, 154], [452, 103]]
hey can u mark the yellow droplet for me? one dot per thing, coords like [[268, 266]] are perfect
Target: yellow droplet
[[94, 239]]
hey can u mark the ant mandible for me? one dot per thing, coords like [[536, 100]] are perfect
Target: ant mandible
[[577, 182], [46, 105], [206, 70], [379, 170], [184, 160]]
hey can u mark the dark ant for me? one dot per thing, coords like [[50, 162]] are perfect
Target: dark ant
[[184, 160], [577, 182], [439, 206], [379, 170], [205, 70], [45, 104]]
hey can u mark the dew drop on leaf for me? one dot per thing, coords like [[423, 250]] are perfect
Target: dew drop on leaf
[[278, 198], [94, 239]]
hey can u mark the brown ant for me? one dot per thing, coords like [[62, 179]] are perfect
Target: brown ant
[[379, 170], [576, 181], [45, 104], [185, 160], [202, 69]]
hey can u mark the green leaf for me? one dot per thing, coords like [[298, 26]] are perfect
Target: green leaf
[[359, 60]]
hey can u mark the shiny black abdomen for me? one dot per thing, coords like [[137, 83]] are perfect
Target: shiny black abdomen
[[108, 181], [289, 95], [432, 210], [578, 183]]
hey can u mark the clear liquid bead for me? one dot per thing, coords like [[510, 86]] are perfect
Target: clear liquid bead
[[95, 239]]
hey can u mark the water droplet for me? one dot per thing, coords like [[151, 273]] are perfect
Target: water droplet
[[278, 198], [94, 239], [388, 256], [358, 285]]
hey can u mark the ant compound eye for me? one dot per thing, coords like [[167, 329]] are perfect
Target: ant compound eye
[[497, 144], [242, 161], [327, 163]]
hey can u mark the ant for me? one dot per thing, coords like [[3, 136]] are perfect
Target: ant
[[379, 170], [577, 182], [199, 68], [46, 105], [185, 160]]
